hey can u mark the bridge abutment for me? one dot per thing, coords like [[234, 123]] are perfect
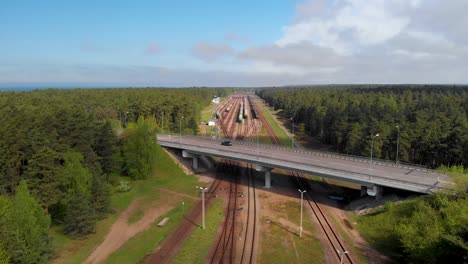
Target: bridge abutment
[[194, 158], [267, 174]]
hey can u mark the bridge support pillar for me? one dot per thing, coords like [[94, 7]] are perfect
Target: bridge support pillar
[[376, 191], [195, 162], [194, 158], [267, 175]]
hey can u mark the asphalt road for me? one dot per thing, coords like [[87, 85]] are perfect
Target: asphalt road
[[353, 169]]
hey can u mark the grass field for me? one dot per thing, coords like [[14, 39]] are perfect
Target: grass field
[[198, 245], [145, 242], [166, 175], [282, 244]]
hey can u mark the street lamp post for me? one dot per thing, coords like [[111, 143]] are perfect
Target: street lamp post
[[397, 144], [120, 116], [203, 190], [302, 198], [183, 208], [180, 127], [372, 147], [342, 255], [162, 122], [126, 119], [292, 136], [371, 153], [258, 133]]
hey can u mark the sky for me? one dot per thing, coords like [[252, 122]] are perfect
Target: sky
[[232, 43]]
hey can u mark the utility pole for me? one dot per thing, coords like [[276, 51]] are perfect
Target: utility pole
[[292, 136], [258, 133], [180, 128], [371, 153], [342, 255], [372, 147], [397, 144], [203, 190]]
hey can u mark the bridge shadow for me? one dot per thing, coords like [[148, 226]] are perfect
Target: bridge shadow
[[324, 191]]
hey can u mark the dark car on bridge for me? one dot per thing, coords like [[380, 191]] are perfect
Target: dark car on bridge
[[226, 143]]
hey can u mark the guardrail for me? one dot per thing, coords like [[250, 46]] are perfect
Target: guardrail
[[425, 187], [334, 155]]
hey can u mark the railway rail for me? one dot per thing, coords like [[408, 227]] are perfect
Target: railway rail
[[227, 248], [330, 233], [332, 236]]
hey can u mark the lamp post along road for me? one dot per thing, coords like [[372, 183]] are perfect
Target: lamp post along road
[[371, 153], [180, 127], [302, 199], [292, 136], [397, 144], [342, 255], [258, 133], [126, 119], [372, 147], [203, 190]]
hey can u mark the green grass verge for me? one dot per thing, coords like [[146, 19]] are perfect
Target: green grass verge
[[207, 113], [76, 250], [145, 242], [281, 244], [197, 247], [166, 175], [283, 138]]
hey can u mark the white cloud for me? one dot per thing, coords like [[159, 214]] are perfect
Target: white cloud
[[393, 41]]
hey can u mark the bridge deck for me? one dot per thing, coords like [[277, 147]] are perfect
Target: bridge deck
[[353, 169]]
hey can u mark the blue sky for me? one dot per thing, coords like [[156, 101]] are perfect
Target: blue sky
[[232, 43]]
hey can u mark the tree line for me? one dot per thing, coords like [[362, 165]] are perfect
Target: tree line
[[429, 123], [62, 148]]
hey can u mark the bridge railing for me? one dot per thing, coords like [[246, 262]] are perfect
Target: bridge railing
[[327, 154]]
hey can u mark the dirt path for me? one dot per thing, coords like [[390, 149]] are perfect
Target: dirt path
[[193, 198], [121, 231]]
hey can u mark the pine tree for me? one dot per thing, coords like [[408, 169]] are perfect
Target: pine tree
[[44, 177], [80, 217], [4, 258], [100, 196]]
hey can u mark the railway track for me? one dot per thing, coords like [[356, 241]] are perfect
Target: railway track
[[169, 248], [248, 249], [237, 242], [224, 251], [331, 235], [325, 225]]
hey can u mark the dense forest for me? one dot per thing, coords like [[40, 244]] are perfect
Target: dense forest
[[61, 148], [429, 123]]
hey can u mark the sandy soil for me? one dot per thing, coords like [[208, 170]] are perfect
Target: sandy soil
[[272, 200], [121, 231]]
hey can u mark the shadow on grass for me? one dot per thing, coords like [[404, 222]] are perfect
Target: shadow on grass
[[282, 227], [192, 221]]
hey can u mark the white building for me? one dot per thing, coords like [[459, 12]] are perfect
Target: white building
[[215, 100], [211, 122]]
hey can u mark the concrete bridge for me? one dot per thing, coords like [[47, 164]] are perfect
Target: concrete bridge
[[371, 176]]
